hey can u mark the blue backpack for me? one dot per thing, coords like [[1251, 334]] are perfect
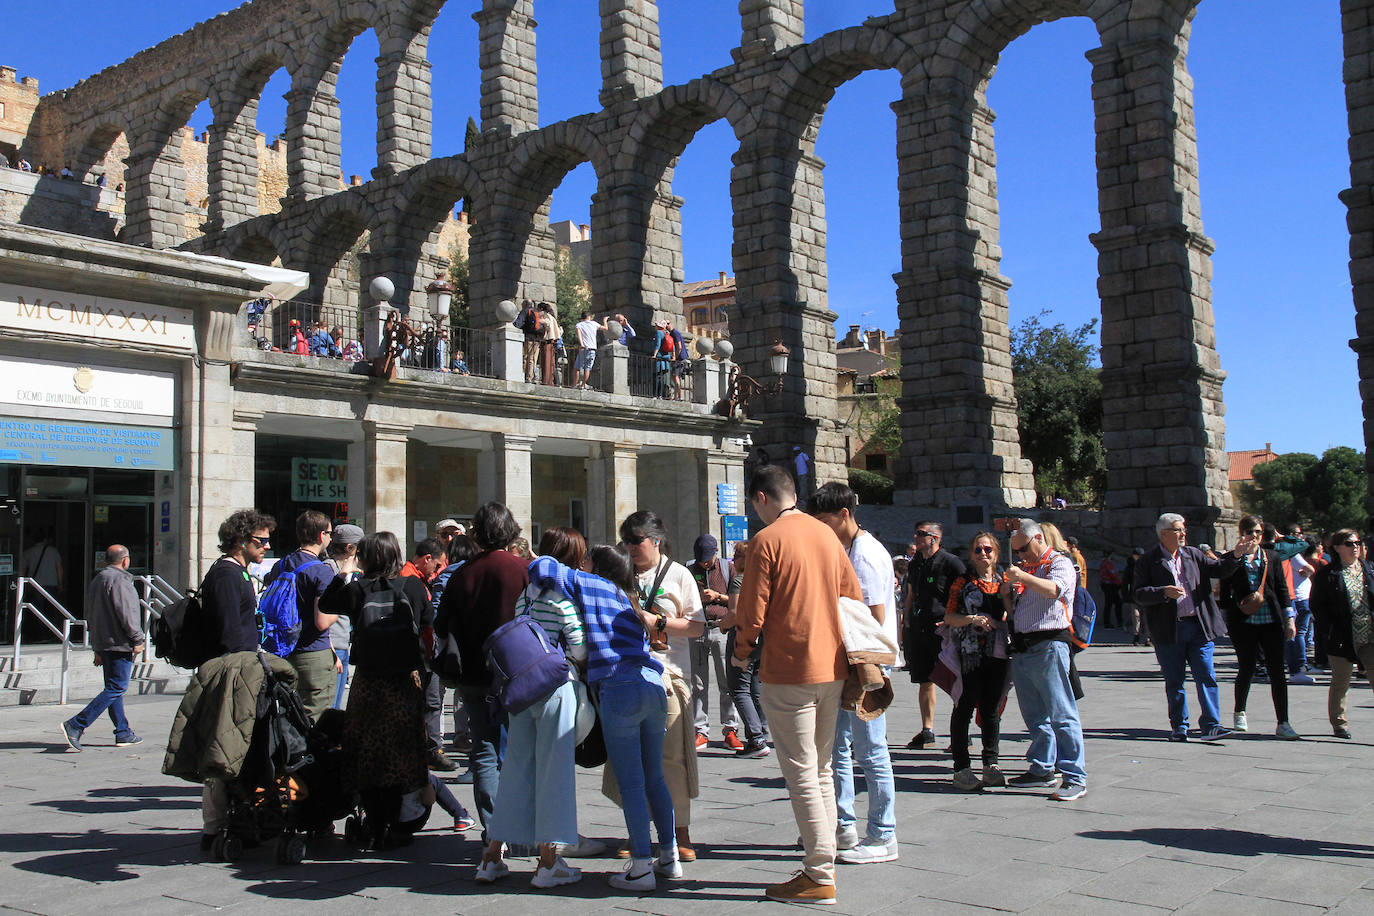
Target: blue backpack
[[525, 667], [279, 612]]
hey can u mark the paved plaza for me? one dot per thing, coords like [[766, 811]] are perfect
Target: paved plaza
[[1254, 825]]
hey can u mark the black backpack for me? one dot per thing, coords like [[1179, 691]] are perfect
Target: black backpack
[[180, 635]]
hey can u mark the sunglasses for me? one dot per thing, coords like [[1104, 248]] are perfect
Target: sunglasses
[[1350, 543], [928, 534], [985, 550], [261, 542], [635, 540]]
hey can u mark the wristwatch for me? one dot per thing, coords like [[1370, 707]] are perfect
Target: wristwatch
[[661, 625]]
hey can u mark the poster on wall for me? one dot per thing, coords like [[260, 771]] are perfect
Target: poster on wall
[[319, 480]]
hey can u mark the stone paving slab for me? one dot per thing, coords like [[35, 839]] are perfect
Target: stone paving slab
[[1253, 825]]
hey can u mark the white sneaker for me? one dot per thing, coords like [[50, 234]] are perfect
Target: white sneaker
[[1240, 723], [585, 848], [668, 865], [845, 837], [490, 872], [637, 876], [1287, 732], [869, 853], [559, 872]]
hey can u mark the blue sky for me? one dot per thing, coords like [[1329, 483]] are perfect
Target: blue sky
[[1271, 140]]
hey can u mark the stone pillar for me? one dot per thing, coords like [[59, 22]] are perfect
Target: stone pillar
[[1161, 377], [155, 188], [404, 116], [631, 57], [705, 381], [312, 138], [508, 352], [960, 444], [357, 486], [494, 251], [511, 464], [612, 489], [1357, 19], [233, 163], [510, 94], [768, 26], [240, 477], [620, 252], [384, 447], [779, 214], [614, 361], [718, 466]]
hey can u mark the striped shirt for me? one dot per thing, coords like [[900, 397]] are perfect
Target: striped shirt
[[558, 617], [616, 642]]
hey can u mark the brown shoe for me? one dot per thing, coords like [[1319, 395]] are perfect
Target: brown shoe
[[685, 852], [801, 889]]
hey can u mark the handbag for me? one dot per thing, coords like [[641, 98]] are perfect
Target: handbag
[[590, 751], [1252, 602]]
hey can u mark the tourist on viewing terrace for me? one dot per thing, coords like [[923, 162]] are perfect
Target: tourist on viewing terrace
[[1259, 617], [1342, 605]]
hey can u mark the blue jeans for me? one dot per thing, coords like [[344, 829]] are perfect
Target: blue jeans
[[1192, 648], [633, 717], [343, 678], [1041, 676], [869, 741], [118, 667], [484, 760], [537, 799], [1297, 646]]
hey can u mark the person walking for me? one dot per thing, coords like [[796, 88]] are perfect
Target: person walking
[[116, 636], [1173, 587], [794, 575], [1260, 618], [975, 625], [1342, 605]]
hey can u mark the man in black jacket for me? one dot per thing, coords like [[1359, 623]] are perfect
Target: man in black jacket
[[1173, 588], [930, 574]]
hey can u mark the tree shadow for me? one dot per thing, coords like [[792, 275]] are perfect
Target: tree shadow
[[123, 800], [1234, 842]]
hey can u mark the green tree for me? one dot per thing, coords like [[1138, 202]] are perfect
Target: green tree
[[1059, 407], [1323, 493], [470, 136], [458, 276], [570, 294]]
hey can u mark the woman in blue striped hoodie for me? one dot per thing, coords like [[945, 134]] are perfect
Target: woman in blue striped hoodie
[[633, 704]]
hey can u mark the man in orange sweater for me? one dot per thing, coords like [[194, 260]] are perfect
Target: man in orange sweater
[[794, 576]]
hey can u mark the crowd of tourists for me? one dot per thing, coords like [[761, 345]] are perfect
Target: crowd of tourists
[[802, 626]]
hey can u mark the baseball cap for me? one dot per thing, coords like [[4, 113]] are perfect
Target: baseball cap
[[705, 548], [347, 534], [450, 523]]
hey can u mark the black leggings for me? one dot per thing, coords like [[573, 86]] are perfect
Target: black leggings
[[983, 688], [1249, 639]]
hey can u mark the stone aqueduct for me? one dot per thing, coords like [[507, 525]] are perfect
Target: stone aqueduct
[[1161, 374]]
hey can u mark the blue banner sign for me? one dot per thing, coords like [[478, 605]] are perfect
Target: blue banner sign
[[67, 443]]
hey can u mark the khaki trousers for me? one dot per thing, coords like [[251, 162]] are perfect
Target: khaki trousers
[[316, 680], [1341, 671], [802, 720]]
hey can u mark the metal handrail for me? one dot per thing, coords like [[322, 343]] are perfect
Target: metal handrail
[[65, 634]]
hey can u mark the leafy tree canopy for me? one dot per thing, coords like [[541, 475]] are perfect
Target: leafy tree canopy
[[572, 296], [1320, 493], [1059, 407]]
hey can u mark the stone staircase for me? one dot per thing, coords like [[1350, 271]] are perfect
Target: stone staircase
[[37, 679]]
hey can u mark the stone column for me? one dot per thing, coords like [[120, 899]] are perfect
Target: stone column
[[614, 361], [240, 476], [1161, 378], [155, 188], [631, 57], [512, 464], [384, 447], [404, 117], [612, 489], [779, 208], [510, 94], [960, 443], [357, 487], [620, 252], [233, 163], [705, 380], [494, 249], [718, 466], [769, 25], [312, 137], [1357, 19]]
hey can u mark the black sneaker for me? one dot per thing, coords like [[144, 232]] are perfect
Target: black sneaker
[[438, 760], [753, 749], [128, 740], [1340, 731], [924, 739], [1034, 781]]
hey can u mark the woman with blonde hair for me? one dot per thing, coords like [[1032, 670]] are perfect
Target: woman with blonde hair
[[975, 624]]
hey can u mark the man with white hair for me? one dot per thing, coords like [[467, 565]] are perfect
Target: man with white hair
[[1173, 589], [1040, 588]]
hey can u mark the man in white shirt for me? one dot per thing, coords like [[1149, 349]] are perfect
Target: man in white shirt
[[835, 504], [586, 352]]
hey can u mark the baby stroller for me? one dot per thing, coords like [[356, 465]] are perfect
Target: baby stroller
[[268, 800]]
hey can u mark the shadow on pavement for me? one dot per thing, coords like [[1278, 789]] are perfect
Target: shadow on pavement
[[133, 798], [1234, 842]]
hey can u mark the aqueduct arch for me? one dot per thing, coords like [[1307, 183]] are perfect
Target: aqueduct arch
[[1161, 373]]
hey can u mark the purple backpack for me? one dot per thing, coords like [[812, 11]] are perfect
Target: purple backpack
[[525, 667]]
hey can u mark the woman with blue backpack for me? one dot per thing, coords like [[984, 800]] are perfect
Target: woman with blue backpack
[[632, 700], [536, 801]]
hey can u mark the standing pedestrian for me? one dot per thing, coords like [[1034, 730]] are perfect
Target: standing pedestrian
[[1110, 579], [712, 576], [343, 560], [930, 574], [794, 575], [1342, 602], [744, 681], [116, 636], [317, 669]]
